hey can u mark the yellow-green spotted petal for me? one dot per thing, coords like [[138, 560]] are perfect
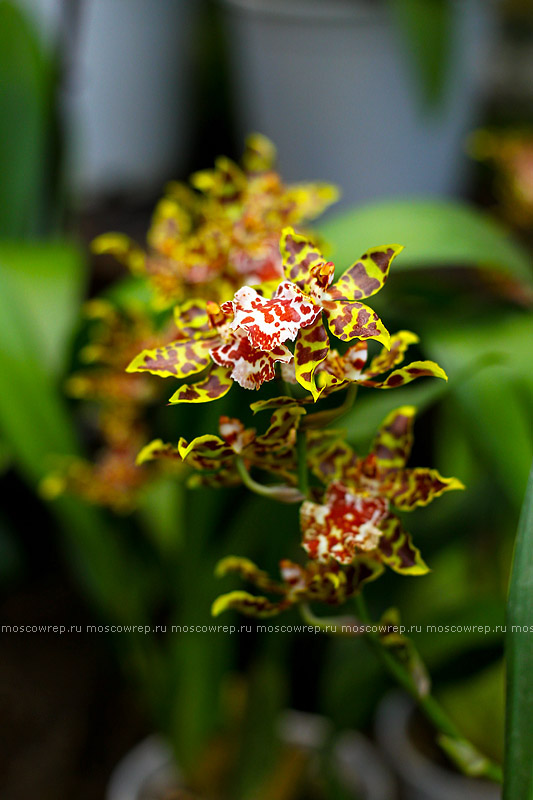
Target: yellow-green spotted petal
[[309, 200], [158, 449], [279, 435], [367, 275], [225, 182], [208, 447], [397, 549], [394, 438], [259, 153], [418, 487], [216, 385], [192, 319], [387, 359], [299, 257], [349, 321], [246, 603], [124, 249], [273, 402], [179, 359], [367, 570], [330, 465], [312, 348], [222, 478], [171, 223], [248, 571], [403, 375]]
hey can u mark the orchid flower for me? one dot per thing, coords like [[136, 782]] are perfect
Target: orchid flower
[[223, 231], [331, 584], [241, 341], [347, 317]]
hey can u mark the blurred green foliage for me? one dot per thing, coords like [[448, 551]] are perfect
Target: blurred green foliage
[[427, 26], [519, 660], [433, 232], [157, 565], [479, 704], [28, 75], [450, 285]]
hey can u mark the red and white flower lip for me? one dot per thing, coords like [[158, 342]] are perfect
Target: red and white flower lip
[[271, 321], [250, 367], [347, 523], [252, 330], [244, 336]]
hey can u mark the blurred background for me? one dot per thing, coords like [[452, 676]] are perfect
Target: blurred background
[[422, 112]]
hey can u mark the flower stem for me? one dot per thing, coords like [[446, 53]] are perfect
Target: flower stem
[[336, 626], [301, 450], [285, 494], [314, 622], [323, 418], [247, 479], [430, 707]]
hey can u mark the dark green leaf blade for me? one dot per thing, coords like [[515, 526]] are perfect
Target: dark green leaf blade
[[51, 278], [427, 29], [433, 232], [518, 782], [26, 118]]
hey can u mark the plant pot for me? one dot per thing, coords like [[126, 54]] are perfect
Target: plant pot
[[148, 773], [332, 85], [125, 91], [144, 773], [421, 778], [129, 94]]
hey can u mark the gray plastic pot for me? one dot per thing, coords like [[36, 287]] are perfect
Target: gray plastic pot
[[125, 94], [332, 85], [147, 771], [421, 779]]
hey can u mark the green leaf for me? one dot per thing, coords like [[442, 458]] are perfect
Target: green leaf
[[477, 704], [26, 117], [33, 417], [130, 290], [518, 782], [434, 233], [496, 402], [107, 569], [427, 29], [35, 425], [50, 278], [260, 740], [161, 509], [196, 660], [371, 408]]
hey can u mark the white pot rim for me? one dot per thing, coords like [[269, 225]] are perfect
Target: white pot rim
[[417, 770], [312, 11], [361, 766], [332, 11]]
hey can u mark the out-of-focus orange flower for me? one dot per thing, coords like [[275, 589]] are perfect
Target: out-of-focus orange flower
[[222, 231]]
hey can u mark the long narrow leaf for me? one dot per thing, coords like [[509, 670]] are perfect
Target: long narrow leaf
[[26, 117], [427, 29], [51, 278], [33, 417], [434, 233], [518, 783], [495, 402], [36, 425]]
